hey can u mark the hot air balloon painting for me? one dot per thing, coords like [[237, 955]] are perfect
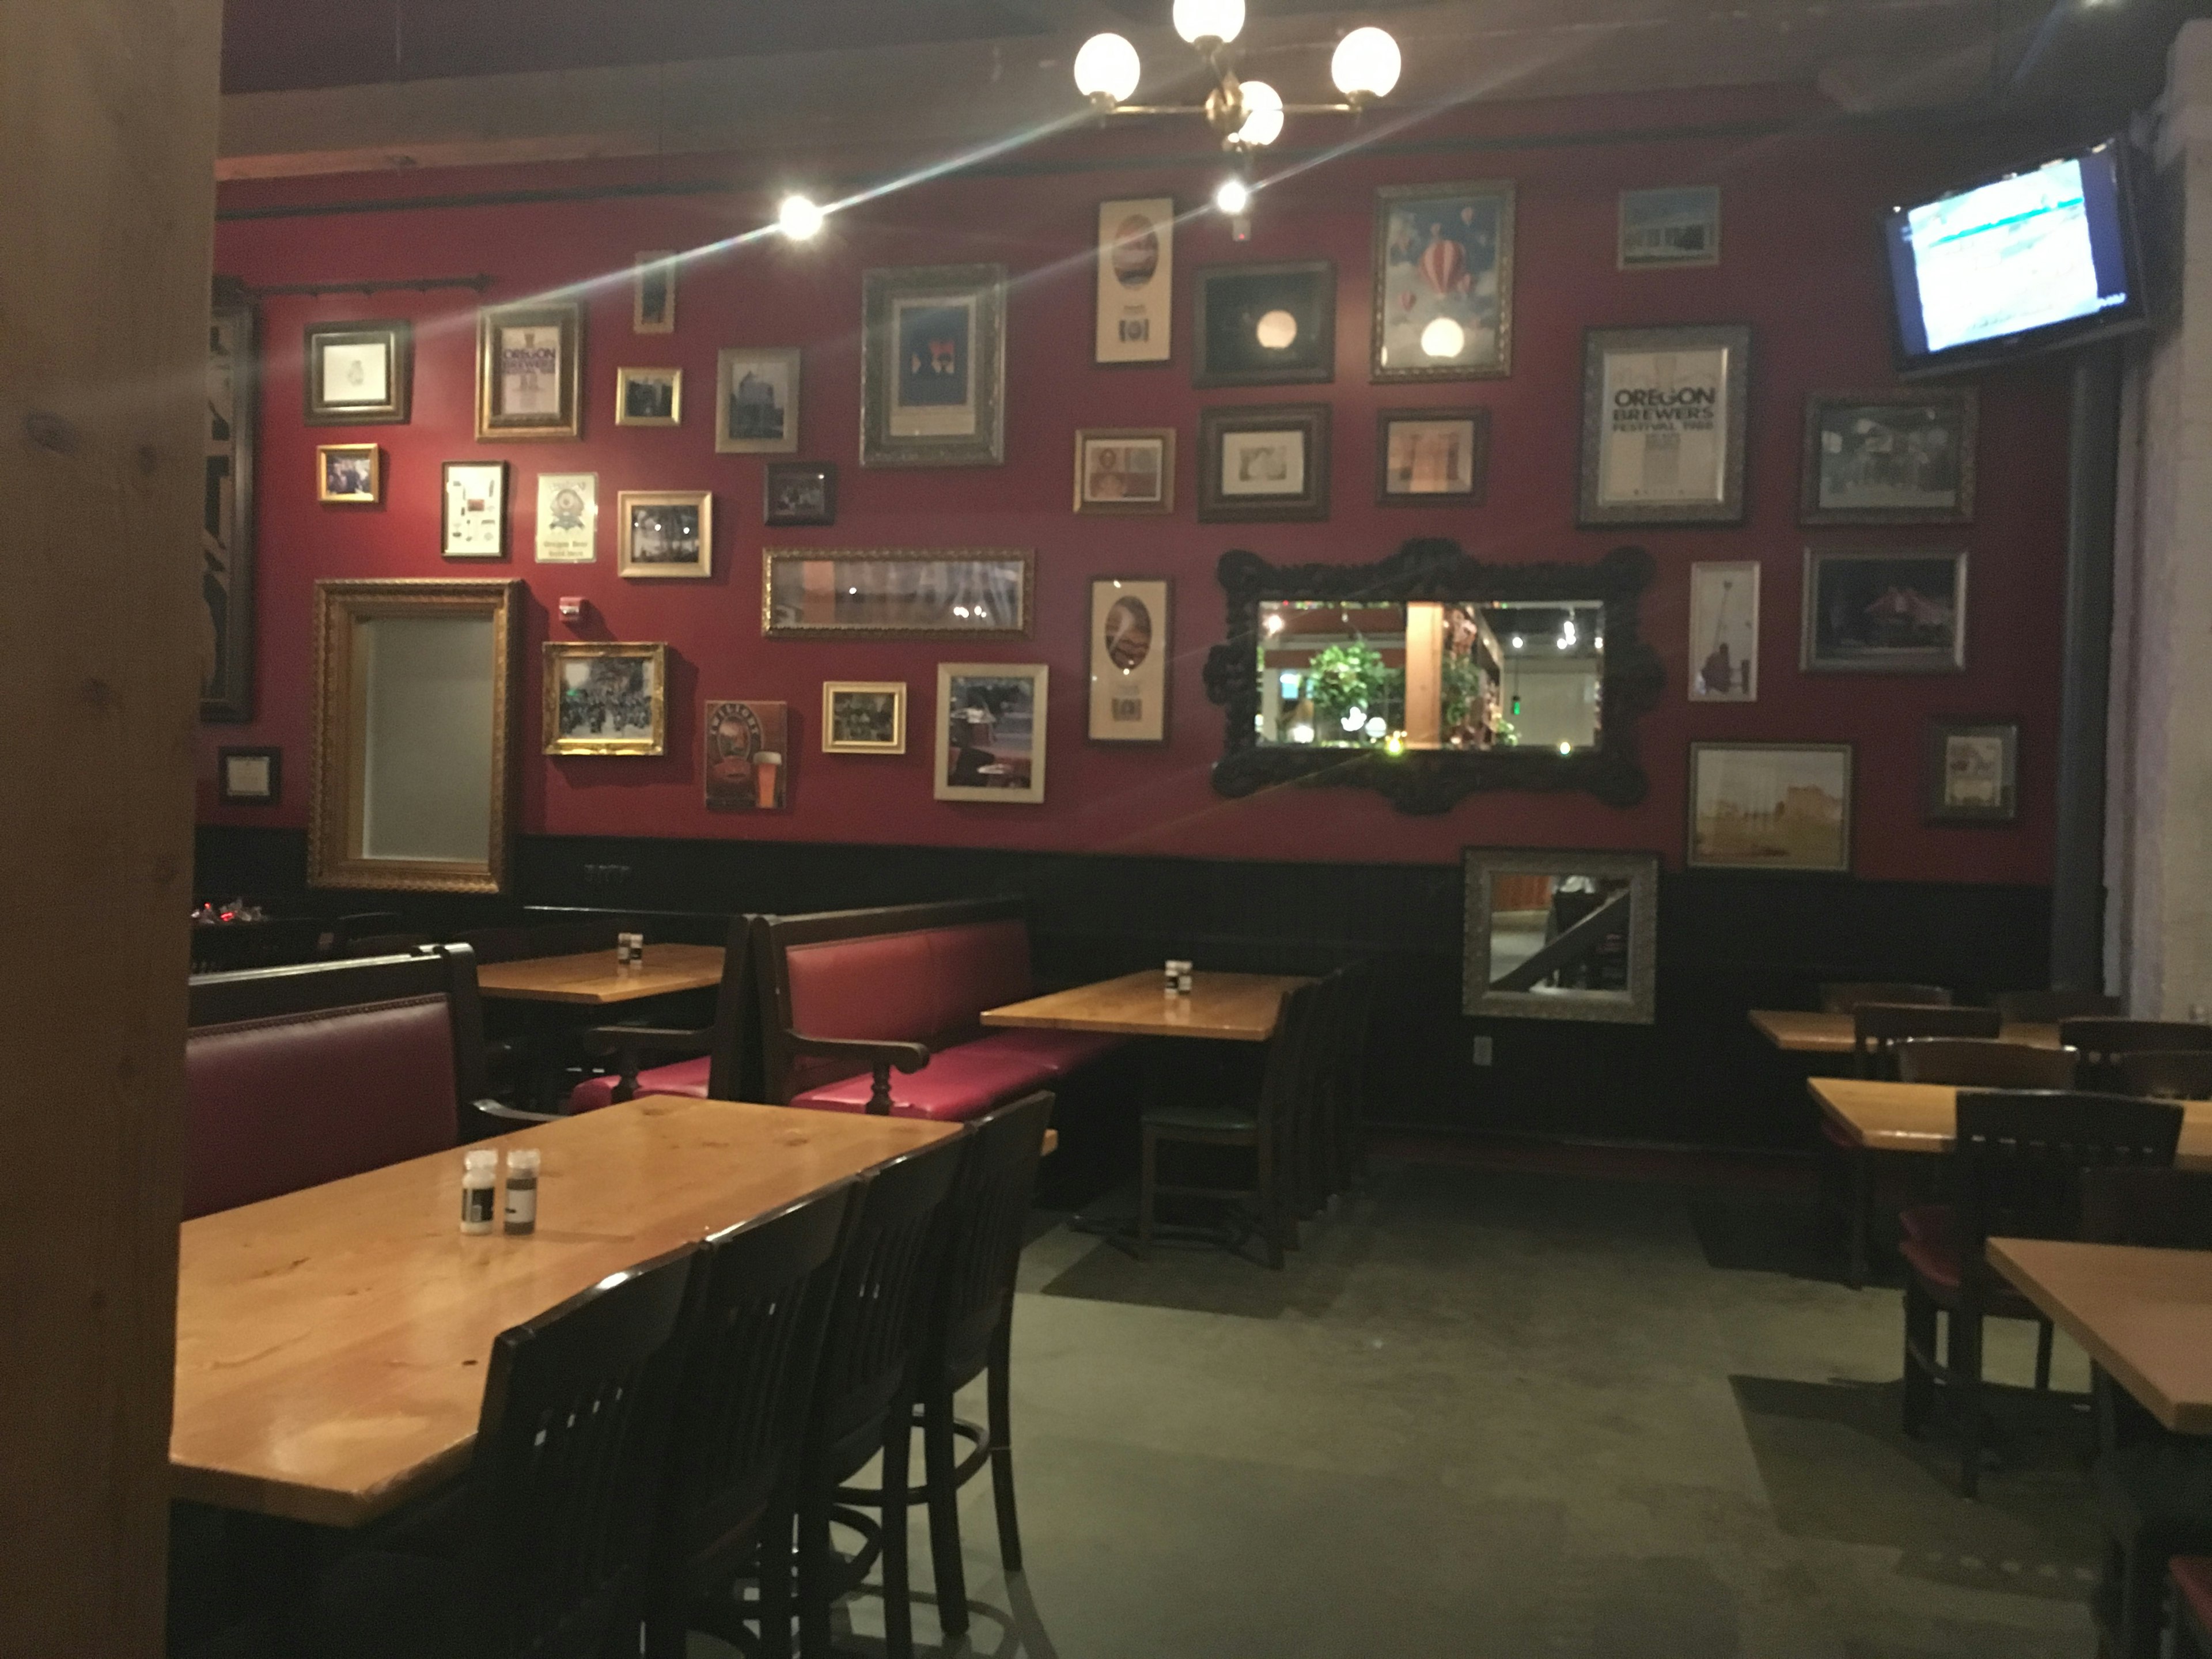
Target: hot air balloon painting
[[1444, 282]]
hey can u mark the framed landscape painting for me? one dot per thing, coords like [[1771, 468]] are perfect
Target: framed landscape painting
[[1444, 282], [1890, 457], [991, 731], [1771, 806], [1884, 613], [1661, 228], [933, 367]]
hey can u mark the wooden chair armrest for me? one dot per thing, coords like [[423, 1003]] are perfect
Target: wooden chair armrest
[[878, 1056]]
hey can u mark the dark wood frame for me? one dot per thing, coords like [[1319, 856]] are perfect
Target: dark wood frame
[[1433, 780], [1478, 467], [1931, 777], [399, 337], [825, 470], [1322, 368], [446, 523], [1640, 870], [1965, 405], [228, 695], [276, 759], [1164, 644], [1165, 435], [881, 290], [1221, 421]]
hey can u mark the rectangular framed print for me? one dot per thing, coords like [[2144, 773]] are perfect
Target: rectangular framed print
[[664, 534], [1130, 656], [1665, 412], [757, 401], [605, 698], [567, 518], [1136, 281], [799, 492], [529, 371], [1260, 464], [349, 475], [1124, 470], [1890, 457], [1885, 611], [1265, 325], [864, 717], [475, 510], [748, 765], [1972, 773], [1444, 282], [933, 367], [359, 374], [1660, 228], [648, 397], [982, 594], [653, 293], [1431, 456], [1771, 806], [991, 731], [1724, 631], [250, 777], [227, 507]]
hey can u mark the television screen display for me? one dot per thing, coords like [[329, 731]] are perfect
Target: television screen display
[[2041, 258]]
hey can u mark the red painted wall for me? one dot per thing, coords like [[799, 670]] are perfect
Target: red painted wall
[[1800, 264]]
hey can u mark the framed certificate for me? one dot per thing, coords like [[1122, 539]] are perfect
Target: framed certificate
[[529, 363], [1664, 419], [1136, 281], [475, 510], [567, 518]]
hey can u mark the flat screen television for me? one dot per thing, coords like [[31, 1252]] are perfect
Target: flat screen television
[[2042, 258]]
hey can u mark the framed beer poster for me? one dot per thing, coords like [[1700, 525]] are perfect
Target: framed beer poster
[[529, 359], [1664, 419], [746, 746], [1136, 280]]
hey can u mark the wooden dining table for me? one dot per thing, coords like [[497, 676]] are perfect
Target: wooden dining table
[[1799, 1031], [1222, 1007], [2144, 1314], [1923, 1117], [594, 979], [331, 1343]]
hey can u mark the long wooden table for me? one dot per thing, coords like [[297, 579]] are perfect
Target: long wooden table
[[331, 1343], [592, 980], [2145, 1316], [1225, 1007], [1795, 1031], [1923, 1117]]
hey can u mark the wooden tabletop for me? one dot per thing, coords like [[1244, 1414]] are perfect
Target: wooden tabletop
[[2144, 1315], [1796, 1032], [331, 1343], [1227, 1007], [1923, 1117], [593, 980]]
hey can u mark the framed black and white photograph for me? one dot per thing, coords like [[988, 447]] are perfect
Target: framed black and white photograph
[[349, 475], [665, 533], [226, 507], [1136, 281], [1664, 228], [1884, 612], [1771, 806], [933, 365], [799, 492], [991, 731], [1130, 657], [1724, 631], [878, 593], [475, 510], [757, 401], [604, 697], [1265, 325], [1124, 470], [1665, 416], [648, 397], [1431, 456], [864, 717], [1972, 772], [1890, 457], [359, 374], [1444, 282], [653, 293], [250, 777], [530, 361], [1258, 464], [567, 518]]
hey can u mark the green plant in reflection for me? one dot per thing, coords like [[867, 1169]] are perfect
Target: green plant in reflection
[[1353, 676]]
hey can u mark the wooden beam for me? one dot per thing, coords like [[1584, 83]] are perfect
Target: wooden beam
[[109, 111]]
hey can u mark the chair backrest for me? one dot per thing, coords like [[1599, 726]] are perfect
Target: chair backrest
[[2161, 1209], [1876, 1026], [2165, 1074], [2101, 1041], [2049, 1007], [236, 946], [1981, 1063], [1298, 1058], [571, 1450], [2020, 1159], [382, 944], [733, 1070], [1844, 997], [986, 1226], [558, 938]]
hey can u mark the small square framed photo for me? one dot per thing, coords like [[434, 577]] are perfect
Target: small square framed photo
[[665, 533], [757, 401], [1263, 464], [799, 492], [1124, 470], [250, 777], [991, 731], [349, 475], [653, 293], [648, 397], [1884, 612], [1972, 772], [475, 510], [1890, 457], [605, 697], [1129, 658], [1428, 456], [1661, 228], [1265, 325], [360, 374], [864, 717], [530, 361]]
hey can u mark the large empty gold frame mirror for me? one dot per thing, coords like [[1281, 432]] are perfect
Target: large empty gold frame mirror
[[1561, 935], [413, 772]]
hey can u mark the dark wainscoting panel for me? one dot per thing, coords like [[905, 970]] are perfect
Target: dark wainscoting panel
[[1701, 1076]]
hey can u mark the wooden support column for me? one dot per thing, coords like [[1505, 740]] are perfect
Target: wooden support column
[[107, 143]]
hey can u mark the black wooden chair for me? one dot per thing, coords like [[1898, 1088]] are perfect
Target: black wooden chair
[[2053, 1007], [1351, 1113], [2105, 1042], [2165, 1074], [1982, 1063], [2192, 1608], [1844, 997], [650, 1058], [1878, 1027], [2017, 1165]]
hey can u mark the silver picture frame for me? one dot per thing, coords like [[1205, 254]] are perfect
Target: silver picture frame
[[1614, 361], [1607, 925], [933, 399]]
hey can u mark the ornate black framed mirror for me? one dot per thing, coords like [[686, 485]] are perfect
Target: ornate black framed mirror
[[1429, 676]]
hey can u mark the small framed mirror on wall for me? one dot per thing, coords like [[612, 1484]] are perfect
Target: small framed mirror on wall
[[413, 774], [1554, 935]]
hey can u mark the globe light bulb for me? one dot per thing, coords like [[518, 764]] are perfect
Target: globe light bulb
[[1201, 20], [1107, 69], [1366, 64], [1263, 115], [799, 218], [1276, 331], [1442, 340], [1234, 198]]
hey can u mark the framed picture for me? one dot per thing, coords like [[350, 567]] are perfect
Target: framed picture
[[475, 510], [1130, 657], [1771, 806], [933, 367], [567, 518], [1265, 325], [348, 474], [747, 766], [757, 401], [1673, 226], [1444, 282], [1664, 416], [1554, 935], [1136, 281], [227, 507], [653, 293], [1431, 456], [530, 363], [1124, 470], [1724, 632], [603, 698], [665, 533], [800, 492], [1884, 613], [864, 717], [1890, 457], [1972, 773], [648, 397], [359, 374], [1263, 463], [991, 731], [249, 777], [983, 595]]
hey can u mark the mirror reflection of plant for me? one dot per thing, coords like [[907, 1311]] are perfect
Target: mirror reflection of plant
[[1352, 676], [1462, 690]]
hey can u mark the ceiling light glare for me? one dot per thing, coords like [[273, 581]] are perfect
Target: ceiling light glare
[[1234, 198], [1366, 64], [1263, 115], [799, 218], [1203, 22], [1107, 69]]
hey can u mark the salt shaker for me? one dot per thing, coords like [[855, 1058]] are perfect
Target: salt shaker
[[1172, 976], [479, 1182], [1182, 978], [522, 1190]]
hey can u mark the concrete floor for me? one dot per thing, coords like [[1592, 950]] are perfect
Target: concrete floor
[[1502, 1414]]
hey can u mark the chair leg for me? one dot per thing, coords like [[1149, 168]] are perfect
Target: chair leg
[[1273, 1217], [2043, 1334], [998, 1383], [816, 1566], [938, 1457], [1965, 1394], [1920, 1315], [1148, 1177], [775, 1564], [2142, 1603], [899, 1607], [1858, 1219]]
